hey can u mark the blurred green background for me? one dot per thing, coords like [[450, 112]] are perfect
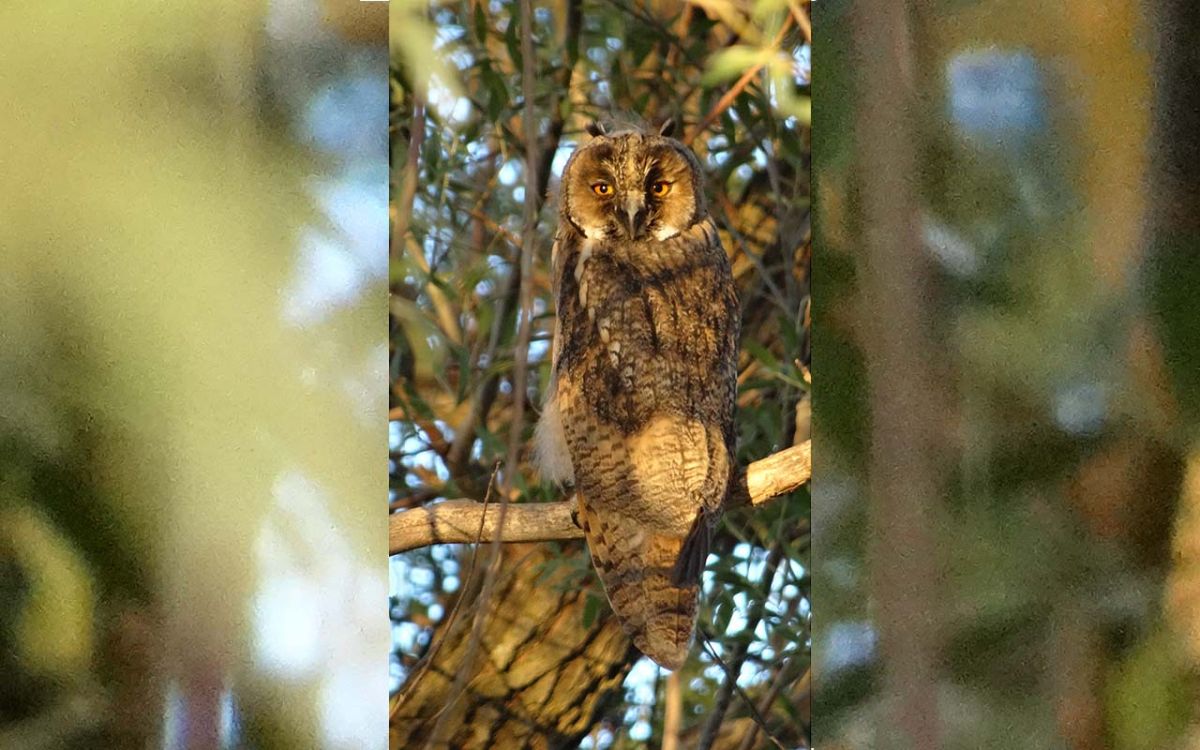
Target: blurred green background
[[192, 369], [1055, 442]]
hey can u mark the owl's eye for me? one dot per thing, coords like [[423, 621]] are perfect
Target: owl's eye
[[660, 188], [602, 188]]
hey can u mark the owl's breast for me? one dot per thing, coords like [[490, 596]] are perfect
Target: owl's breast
[[643, 342]]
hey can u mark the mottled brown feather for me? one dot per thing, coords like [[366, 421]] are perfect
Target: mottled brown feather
[[635, 568]]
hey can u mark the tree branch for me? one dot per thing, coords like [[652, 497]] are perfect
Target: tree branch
[[408, 188], [458, 521]]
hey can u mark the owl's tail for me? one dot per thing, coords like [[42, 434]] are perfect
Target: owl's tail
[[637, 568]]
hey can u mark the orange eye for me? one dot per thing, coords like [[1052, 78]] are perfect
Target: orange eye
[[660, 188], [602, 188]]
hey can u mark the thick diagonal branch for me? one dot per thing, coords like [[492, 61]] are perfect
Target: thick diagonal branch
[[458, 521]]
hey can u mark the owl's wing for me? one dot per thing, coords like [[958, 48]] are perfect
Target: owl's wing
[[639, 496], [718, 400], [626, 488], [635, 567], [693, 553]]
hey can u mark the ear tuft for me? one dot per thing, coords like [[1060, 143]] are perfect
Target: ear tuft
[[667, 127], [595, 129]]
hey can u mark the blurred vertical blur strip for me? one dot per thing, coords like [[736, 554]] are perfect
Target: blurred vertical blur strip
[[193, 263], [1173, 276], [903, 491], [1174, 211], [1059, 178]]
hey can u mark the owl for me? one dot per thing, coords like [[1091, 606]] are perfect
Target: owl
[[640, 406]]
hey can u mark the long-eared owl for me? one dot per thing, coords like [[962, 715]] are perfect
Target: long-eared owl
[[639, 411]]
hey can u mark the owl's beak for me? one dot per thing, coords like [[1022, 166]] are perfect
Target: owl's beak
[[635, 217]]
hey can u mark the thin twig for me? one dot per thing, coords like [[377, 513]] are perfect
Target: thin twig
[[723, 103], [740, 651], [802, 19], [726, 100], [447, 316], [494, 227], [731, 678], [730, 213], [574, 24], [416, 498], [663, 32], [764, 705], [485, 395], [464, 437], [521, 353], [437, 440]]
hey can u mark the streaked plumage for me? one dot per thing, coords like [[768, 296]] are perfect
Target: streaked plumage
[[639, 413]]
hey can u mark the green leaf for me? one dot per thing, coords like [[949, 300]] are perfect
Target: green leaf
[[463, 355], [765, 8], [591, 608], [512, 38], [733, 62], [481, 24], [723, 614], [497, 93], [761, 353]]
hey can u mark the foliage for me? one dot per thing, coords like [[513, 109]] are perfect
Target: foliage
[[455, 277]]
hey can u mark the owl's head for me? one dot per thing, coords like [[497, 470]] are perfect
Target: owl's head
[[632, 185]]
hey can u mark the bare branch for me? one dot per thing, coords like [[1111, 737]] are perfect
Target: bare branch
[[458, 521], [775, 475]]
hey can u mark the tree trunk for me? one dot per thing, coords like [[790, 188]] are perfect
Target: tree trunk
[[539, 678]]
